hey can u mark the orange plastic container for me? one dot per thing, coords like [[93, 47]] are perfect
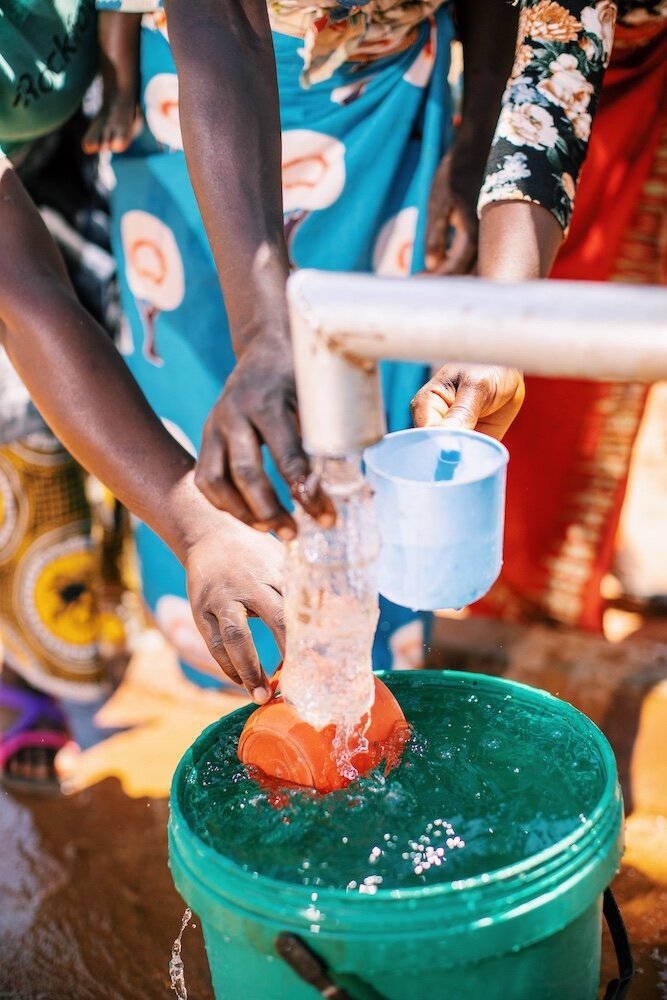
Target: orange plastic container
[[281, 745]]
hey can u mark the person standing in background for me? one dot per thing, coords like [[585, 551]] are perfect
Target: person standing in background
[[50, 624], [48, 613], [366, 137], [571, 449]]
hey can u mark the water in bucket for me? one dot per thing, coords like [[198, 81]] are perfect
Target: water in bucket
[[484, 782]]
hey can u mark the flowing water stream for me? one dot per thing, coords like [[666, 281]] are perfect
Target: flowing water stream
[[331, 611]]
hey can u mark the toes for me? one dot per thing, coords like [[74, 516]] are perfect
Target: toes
[[91, 140], [42, 767], [34, 764], [120, 139]]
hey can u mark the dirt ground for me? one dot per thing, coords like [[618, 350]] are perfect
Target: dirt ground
[[88, 910]]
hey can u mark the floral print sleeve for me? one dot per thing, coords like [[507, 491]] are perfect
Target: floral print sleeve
[[545, 123]]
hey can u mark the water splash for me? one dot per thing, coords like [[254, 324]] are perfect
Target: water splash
[[347, 743], [176, 968]]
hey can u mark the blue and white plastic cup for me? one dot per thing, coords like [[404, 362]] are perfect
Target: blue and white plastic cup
[[439, 498]]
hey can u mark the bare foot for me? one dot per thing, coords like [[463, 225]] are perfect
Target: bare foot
[[113, 128]]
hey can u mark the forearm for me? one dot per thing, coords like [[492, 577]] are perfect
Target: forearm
[[518, 241], [86, 395], [487, 30], [80, 383], [230, 122], [548, 108]]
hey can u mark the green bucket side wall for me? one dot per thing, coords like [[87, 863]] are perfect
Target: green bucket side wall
[[245, 966], [565, 966]]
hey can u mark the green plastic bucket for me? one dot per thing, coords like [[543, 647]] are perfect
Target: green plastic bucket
[[522, 932]]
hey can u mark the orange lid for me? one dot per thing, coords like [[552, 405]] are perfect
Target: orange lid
[[281, 745]]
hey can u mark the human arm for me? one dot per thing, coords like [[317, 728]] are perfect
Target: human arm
[[234, 160], [487, 31], [118, 39], [233, 149], [86, 394], [543, 132], [537, 153]]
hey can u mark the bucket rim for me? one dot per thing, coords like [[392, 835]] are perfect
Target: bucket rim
[[562, 860]]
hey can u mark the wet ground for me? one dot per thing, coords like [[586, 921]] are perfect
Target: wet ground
[[87, 906]]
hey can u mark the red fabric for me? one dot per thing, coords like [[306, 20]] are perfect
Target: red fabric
[[570, 445], [627, 129]]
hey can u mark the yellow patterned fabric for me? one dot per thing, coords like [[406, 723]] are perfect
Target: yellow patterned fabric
[[334, 33], [49, 619]]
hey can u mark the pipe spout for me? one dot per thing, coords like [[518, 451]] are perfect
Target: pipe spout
[[343, 324]]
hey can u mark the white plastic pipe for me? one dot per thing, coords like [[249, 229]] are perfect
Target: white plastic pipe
[[343, 324]]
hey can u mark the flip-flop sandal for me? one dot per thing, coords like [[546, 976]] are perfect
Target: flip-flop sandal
[[31, 708]]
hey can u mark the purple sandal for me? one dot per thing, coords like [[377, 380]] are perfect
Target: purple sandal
[[32, 708]]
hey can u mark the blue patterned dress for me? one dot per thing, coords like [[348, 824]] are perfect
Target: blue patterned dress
[[362, 136], [359, 152]]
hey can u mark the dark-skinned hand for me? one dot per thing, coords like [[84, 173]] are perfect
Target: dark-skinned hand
[[452, 227], [234, 572], [486, 398], [258, 406]]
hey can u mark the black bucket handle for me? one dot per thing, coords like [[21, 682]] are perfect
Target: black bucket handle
[[310, 967], [618, 989]]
